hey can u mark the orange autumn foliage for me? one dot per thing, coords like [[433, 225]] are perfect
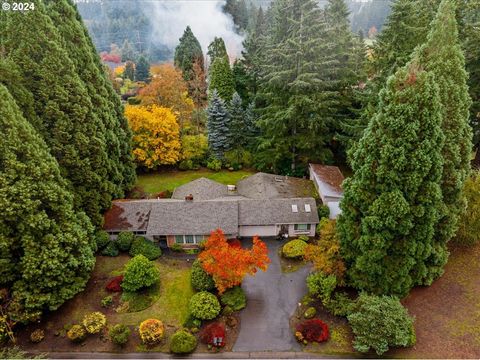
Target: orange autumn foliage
[[228, 264], [325, 256]]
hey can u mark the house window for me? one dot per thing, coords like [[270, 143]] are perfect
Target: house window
[[189, 239], [301, 227], [179, 239]]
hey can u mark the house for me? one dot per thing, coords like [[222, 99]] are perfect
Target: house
[[328, 182], [203, 205]]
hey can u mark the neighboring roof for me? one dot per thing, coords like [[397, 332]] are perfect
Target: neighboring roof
[[270, 186], [331, 177], [277, 211], [201, 189], [193, 217], [335, 210], [127, 215]]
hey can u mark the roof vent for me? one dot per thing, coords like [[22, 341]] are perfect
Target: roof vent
[[231, 187], [307, 208], [294, 208]]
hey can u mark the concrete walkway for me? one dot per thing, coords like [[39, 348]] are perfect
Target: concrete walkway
[[272, 298]]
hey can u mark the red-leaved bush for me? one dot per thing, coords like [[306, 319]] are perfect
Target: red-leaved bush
[[213, 334], [235, 243], [313, 330], [114, 285]]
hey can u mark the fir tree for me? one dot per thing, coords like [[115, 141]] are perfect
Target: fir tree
[[142, 70], [129, 72], [447, 63], [218, 125], [251, 127], [62, 103], [128, 52], [187, 52], [241, 78], [237, 126], [392, 203], [221, 79], [217, 50], [46, 251]]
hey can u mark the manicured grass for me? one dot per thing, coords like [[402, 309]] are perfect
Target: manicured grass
[[169, 180]]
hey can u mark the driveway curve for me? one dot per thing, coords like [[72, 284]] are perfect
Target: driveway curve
[[272, 298]]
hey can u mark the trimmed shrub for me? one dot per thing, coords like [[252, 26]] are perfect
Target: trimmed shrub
[[94, 322], [214, 164], [204, 306], [340, 304], [77, 333], [176, 247], [182, 342], [234, 298], [114, 285], [124, 240], [110, 249], [151, 331], [200, 279], [380, 322], [310, 313], [192, 322], [139, 273], [186, 165], [213, 334], [102, 239], [312, 330], [321, 286], [107, 301], [119, 334], [37, 335], [142, 246], [303, 238], [323, 211], [294, 249]]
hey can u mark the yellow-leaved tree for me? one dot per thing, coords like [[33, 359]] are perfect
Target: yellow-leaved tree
[[156, 135]]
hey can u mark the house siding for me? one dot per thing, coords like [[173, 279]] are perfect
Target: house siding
[[249, 231]]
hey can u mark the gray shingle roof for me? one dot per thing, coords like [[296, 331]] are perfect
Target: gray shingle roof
[[201, 189], [270, 186], [193, 217], [127, 215], [277, 211]]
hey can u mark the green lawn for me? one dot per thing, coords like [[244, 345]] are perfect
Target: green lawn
[[169, 180]]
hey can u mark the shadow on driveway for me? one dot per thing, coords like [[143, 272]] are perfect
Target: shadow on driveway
[[271, 299]]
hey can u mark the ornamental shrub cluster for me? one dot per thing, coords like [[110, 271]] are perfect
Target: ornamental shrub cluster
[[111, 249], [380, 322], [102, 239], [213, 334], [139, 273], [294, 249], [234, 298], [201, 280], [114, 285], [182, 342], [312, 330], [124, 240], [77, 333], [151, 331], [321, 286], [204, 306], [94, 322], [119, 334], [142, 246]]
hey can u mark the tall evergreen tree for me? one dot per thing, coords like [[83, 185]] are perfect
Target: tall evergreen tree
[[447, 63], [142, 70], [221, 79], [218, 126], [296, 88], [392, 203], [217, 50], [46, 252], [128, 52], [241, 78], [237, 125], [187, 52], [64, 113], [129, 72]]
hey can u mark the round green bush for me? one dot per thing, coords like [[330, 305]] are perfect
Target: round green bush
[[142, 246], [204, 306], [102, 239], [201, 280], [234, 298], [139, 273], [124, 240], [182, 342], [323, 211], [294, 249], [379, 322], [119, 334], [110, 249], [310, 313]]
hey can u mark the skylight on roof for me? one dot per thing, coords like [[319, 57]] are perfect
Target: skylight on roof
[[307, 208], [294, 208]]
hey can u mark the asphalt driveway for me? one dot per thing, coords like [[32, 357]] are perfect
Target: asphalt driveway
[[272, 298]]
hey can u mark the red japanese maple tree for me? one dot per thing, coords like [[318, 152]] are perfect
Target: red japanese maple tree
[[228, 264]]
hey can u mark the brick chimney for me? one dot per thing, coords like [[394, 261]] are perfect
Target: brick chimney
[[189, 197]]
